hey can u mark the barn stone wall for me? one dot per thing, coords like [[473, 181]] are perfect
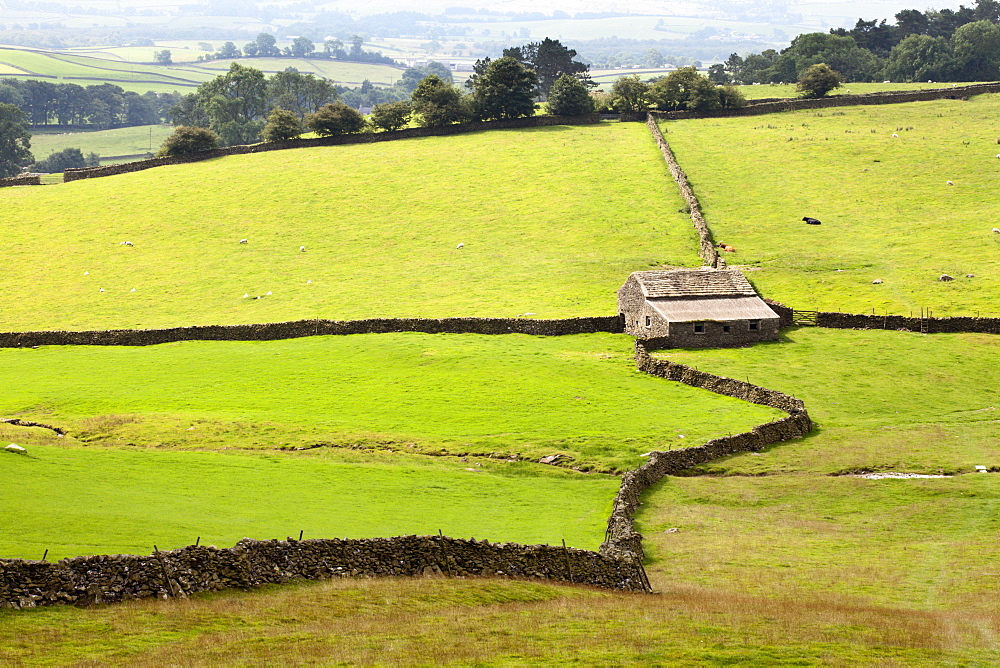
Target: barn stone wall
[[290, 330], [339, 140], [188, 570], [899, 322]]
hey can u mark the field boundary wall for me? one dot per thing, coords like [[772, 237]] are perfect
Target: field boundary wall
[[707, 252], [250, 563], [621, 539], [886, 97], [834, 320], [29, 180], [338, 140], [300, 328]]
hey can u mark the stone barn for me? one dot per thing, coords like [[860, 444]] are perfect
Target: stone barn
[[695, 308]]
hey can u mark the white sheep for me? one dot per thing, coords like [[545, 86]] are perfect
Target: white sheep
[[268, 294], [243, 241], [462, 245], [894, 134], [86, 273], [246, 295], [996, 231], [950, 183], [125, 243], [102, 290], [308, 282], [302, 248], [132, 290]]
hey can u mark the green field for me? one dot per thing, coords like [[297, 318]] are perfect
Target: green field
[[58, 67], [405, 392], [348, 73], [755, 92], [117, 142], [552, 225], [791, 520], [887, 209]]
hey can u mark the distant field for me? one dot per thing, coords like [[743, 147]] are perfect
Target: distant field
[[120, 141], [552, 223], [404, 392], [887, 209], [784, 520], [341, 72]]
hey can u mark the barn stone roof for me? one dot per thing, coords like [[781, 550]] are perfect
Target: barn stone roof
[[704, 282], [722, 309]]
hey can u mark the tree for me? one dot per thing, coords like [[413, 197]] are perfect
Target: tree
[[60, 161], [569, 97], [281, 125], [550, 60], [653, 58], [301, 93], [391, 115], [630, 94], [437, 103], [187, 141], [685, 88], [504, 90], [840, 52], [228, 51], [335, 119], [236, 104], [920, 58], [977, 51], [162, 57], [15, 141], [266, 45], [717, 74], [302, 47], [818, 80]]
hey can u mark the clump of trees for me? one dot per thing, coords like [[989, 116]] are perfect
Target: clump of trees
[[15, 141], [99, 106], [818, 80], [188, 140], [684, 89], [266, 46], [68, 158], [935, 45]]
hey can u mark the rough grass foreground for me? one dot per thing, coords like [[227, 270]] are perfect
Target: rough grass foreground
[[877, 177], [374, 400], [422, 622], [552, 220]]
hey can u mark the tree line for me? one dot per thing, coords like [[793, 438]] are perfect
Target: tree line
[[100, 106], [265, 46], [935, 45], [244, 106]]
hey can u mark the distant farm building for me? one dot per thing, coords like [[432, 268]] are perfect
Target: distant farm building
[[695, 308]]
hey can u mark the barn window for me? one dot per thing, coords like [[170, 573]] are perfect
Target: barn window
[[699, 328], [649, 321], [754, 325], [725, 328]]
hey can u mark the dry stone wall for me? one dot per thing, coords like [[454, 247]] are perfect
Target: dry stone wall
[[26, 180], [707, 251], [622, 540], [900, 322], [290, 330], [340, 140], [188, 570]]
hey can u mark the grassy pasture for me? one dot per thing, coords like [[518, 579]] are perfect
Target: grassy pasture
[[513, 394], [482, 622], [887, 210], [551, 221], [784, 520], [119, 141], [123, 501], [755, 92], [339, 71], [88, 70]]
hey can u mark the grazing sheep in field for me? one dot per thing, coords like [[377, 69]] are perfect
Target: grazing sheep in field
[[101, 290], [877, 281], [461, 245], [996, 231], [894, 134], [302, 249], [243, 241], [126, 243], [946, 278], [950, 183], [811, 221]]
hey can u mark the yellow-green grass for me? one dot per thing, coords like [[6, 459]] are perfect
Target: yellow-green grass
[[553, 221], [335, 70], [117, 142], [505, 395], [785, 521], [6, 69], [887, 209], [60, 67], [124, 501], [481, 622]]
